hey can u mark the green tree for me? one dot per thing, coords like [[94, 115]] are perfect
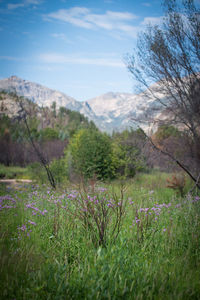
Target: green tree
[[166, 131], [48, 134], [53, 107], [90, 151], [127, 153]]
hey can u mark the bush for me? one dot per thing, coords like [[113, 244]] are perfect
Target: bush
[[127, 153], [37, 172], [91, 154], [48, 134], [59, 170]]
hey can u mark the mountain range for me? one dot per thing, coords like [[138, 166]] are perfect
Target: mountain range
[[110, 111]]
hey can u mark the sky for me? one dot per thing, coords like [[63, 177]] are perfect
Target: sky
[[75, 46]]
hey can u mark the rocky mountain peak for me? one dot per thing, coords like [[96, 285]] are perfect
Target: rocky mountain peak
[[111, 111]]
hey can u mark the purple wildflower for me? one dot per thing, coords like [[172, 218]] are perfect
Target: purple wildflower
[[32, 223], [22, 228]]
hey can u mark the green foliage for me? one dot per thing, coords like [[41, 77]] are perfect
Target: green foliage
[[59, 170], [44, 123], [166, 131], [13, 172], [15, 129], [99, 212], [53, 108], [77, 122], [91, 154], [56, 257], [126, 153], [47, 134], [37, 173]]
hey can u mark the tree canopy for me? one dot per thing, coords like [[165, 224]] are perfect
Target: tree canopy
[[169, 54], [91, 154]]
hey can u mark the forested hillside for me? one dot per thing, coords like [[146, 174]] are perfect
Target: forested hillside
[[51, 129]]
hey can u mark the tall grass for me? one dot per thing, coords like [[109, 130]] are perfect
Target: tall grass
[[12, 172], [48, 251]]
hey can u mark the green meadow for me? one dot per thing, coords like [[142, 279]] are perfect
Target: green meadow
[[133, 239]]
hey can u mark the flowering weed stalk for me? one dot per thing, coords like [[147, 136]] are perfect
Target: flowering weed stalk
[[99, 212]]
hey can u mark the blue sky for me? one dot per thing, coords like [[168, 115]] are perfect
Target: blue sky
[[74, 46]]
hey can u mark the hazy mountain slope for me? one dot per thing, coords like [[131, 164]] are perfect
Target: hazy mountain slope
[[64, 121], [39, 94], [117, 110], [111, 111]]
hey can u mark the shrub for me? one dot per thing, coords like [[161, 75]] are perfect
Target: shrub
[[59, 170], [91, 154]]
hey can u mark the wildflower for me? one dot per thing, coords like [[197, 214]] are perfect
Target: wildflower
[[32, 223], [101, 189], [90, 198], [72, 195], [22, 228], [137, 220], [43, 212], [28, 206], [8, 206]]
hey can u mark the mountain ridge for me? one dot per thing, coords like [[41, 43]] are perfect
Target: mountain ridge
[[110, 112]]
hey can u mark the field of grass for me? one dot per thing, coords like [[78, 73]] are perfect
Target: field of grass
[[13, 172], [124, 240]]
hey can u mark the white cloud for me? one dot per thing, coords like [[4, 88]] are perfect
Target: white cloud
[[61, 36], [23, 3], [152, 20], [36, 2], [82, 17], [14, 6], [147, 4], [73, 16], [55, 58], [118, 24]]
